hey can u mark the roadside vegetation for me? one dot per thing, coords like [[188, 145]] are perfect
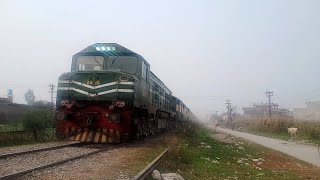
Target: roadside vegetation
[[35, 126], [309, 131], [195, 154]]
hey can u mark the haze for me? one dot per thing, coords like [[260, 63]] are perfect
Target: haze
[[204, 51]]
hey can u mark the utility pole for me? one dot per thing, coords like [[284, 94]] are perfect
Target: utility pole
[[51, 91], [228, 103], [269, 94]]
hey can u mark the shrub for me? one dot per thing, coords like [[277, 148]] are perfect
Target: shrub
[[38, 120]]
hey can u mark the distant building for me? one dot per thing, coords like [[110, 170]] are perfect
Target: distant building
[[311, 112], [8, 99], [4, 100], [262, 110]]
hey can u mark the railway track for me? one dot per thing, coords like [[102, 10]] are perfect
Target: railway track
[[150, 167], [7, 155], [22, 157]]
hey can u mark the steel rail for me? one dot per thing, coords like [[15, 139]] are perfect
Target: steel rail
[[3, 156], [21, 173], [150, 167]]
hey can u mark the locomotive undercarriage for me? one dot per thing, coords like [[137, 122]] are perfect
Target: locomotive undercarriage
[[148, 125], [96, 124]]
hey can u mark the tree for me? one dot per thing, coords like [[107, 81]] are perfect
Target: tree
[[29, 96], [37, 120], [42, 104], [231, 114], [216, 119]]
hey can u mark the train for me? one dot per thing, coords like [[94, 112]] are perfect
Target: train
[[111, 96]]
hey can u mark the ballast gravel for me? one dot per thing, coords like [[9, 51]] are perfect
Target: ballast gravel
[[19, 163], [111, 164], [16, 149], [118, 163]]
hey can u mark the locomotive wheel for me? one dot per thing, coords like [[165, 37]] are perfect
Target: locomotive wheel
[[145, 127]]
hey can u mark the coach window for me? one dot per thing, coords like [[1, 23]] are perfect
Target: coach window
[[147, 69], [144, 70]]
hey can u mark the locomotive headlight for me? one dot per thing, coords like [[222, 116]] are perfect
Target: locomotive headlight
[[114, 117], [105, 48], [64, 102], [60, 115], [120, 103]]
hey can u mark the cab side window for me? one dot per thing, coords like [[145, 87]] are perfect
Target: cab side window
[[144, 70]]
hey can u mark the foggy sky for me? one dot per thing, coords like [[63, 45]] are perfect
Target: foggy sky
[[204, 51]]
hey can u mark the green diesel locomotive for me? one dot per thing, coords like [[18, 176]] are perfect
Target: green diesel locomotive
[[111, 95]]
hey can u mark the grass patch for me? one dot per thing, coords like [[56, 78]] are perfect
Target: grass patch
[[26, 137], [11, 127], [214, 160], [35, 126]]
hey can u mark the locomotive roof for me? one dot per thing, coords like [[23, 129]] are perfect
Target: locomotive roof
[[110, 49]]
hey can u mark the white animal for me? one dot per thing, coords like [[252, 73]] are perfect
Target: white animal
[[169, 176], [293, 132]]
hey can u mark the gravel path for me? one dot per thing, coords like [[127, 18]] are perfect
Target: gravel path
[[303, 152], [15, 149], [19, 163]]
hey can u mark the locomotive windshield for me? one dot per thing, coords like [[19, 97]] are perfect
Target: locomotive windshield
[[89, 63], [126, 64]]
